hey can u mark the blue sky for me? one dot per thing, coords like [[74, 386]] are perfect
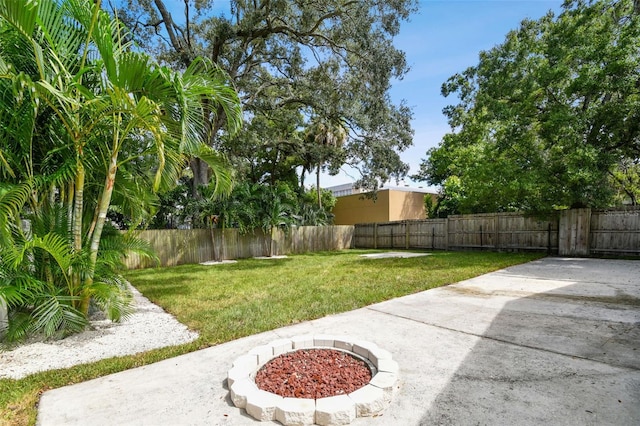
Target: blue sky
[[446, 37]]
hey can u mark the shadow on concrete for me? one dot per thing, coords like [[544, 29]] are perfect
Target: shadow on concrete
[[569, 355]]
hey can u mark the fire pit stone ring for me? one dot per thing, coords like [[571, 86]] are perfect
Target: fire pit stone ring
[[369, 400]]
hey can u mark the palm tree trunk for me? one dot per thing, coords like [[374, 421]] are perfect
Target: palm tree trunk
[[318, 186], [76, 225], [302, 173], [216, 257], [271, 242], [77, 208], [103, 206], [69, 203]]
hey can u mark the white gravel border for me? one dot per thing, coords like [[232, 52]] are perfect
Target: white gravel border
[[150, 327]]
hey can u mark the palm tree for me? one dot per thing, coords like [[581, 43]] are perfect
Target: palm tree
[[78, 104], [326, 135], [274, 206]]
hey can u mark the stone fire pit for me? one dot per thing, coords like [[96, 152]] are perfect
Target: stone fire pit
[[369, 400]]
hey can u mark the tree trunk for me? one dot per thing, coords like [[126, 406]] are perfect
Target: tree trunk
[[216, 256], [76, 228], [271, 242], [69, 201], [302, 174], [200, 171], [103, 207], [77, 208], [318, 186]]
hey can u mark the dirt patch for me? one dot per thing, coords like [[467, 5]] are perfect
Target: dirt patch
[[218, 262], [394, 254]]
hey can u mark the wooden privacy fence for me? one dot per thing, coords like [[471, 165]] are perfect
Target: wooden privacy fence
[[189, 246], [585, 232], [614, 232], [579, 232], [499, 231]]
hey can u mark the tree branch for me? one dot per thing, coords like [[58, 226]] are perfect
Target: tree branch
[[181, 46], [288, 30]]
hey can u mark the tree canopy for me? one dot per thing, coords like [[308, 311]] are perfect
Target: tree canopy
[[548, 119], [295, 63]]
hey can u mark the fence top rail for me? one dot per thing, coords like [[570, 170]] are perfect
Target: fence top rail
[[618, 209], [401, 222], [552, 215]]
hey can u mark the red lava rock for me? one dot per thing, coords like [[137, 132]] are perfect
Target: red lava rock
[[313, 373]]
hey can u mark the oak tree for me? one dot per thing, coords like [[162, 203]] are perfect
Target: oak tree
[[333, 60]]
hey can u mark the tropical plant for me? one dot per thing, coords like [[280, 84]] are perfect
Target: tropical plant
[[81, 108], [309, 213], [275, 210], [326, 138]]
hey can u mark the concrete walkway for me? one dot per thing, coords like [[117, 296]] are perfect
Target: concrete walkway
[[555, 341]]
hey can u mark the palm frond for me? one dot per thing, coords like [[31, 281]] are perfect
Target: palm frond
[[18, 288], [133, 71], [57, 247], [114, 298], [5, 166], [115, 244], [12, 200], [20, 14], [222, 173], [203, 77], [55, 315], [19, 326], [63, 33]]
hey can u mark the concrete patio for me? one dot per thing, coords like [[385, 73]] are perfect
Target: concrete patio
[[554, 341]]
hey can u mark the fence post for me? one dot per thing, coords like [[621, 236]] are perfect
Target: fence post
[[406, 234], [446, 233], [433, 237], [496, 219]]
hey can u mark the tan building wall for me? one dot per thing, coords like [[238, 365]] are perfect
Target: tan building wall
[[352, 209], [406, 205], [390, 205]]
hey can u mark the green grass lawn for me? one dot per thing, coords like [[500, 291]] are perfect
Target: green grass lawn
[[225, 302]]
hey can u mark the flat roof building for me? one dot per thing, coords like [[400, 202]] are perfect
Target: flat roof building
[[391, 204]]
